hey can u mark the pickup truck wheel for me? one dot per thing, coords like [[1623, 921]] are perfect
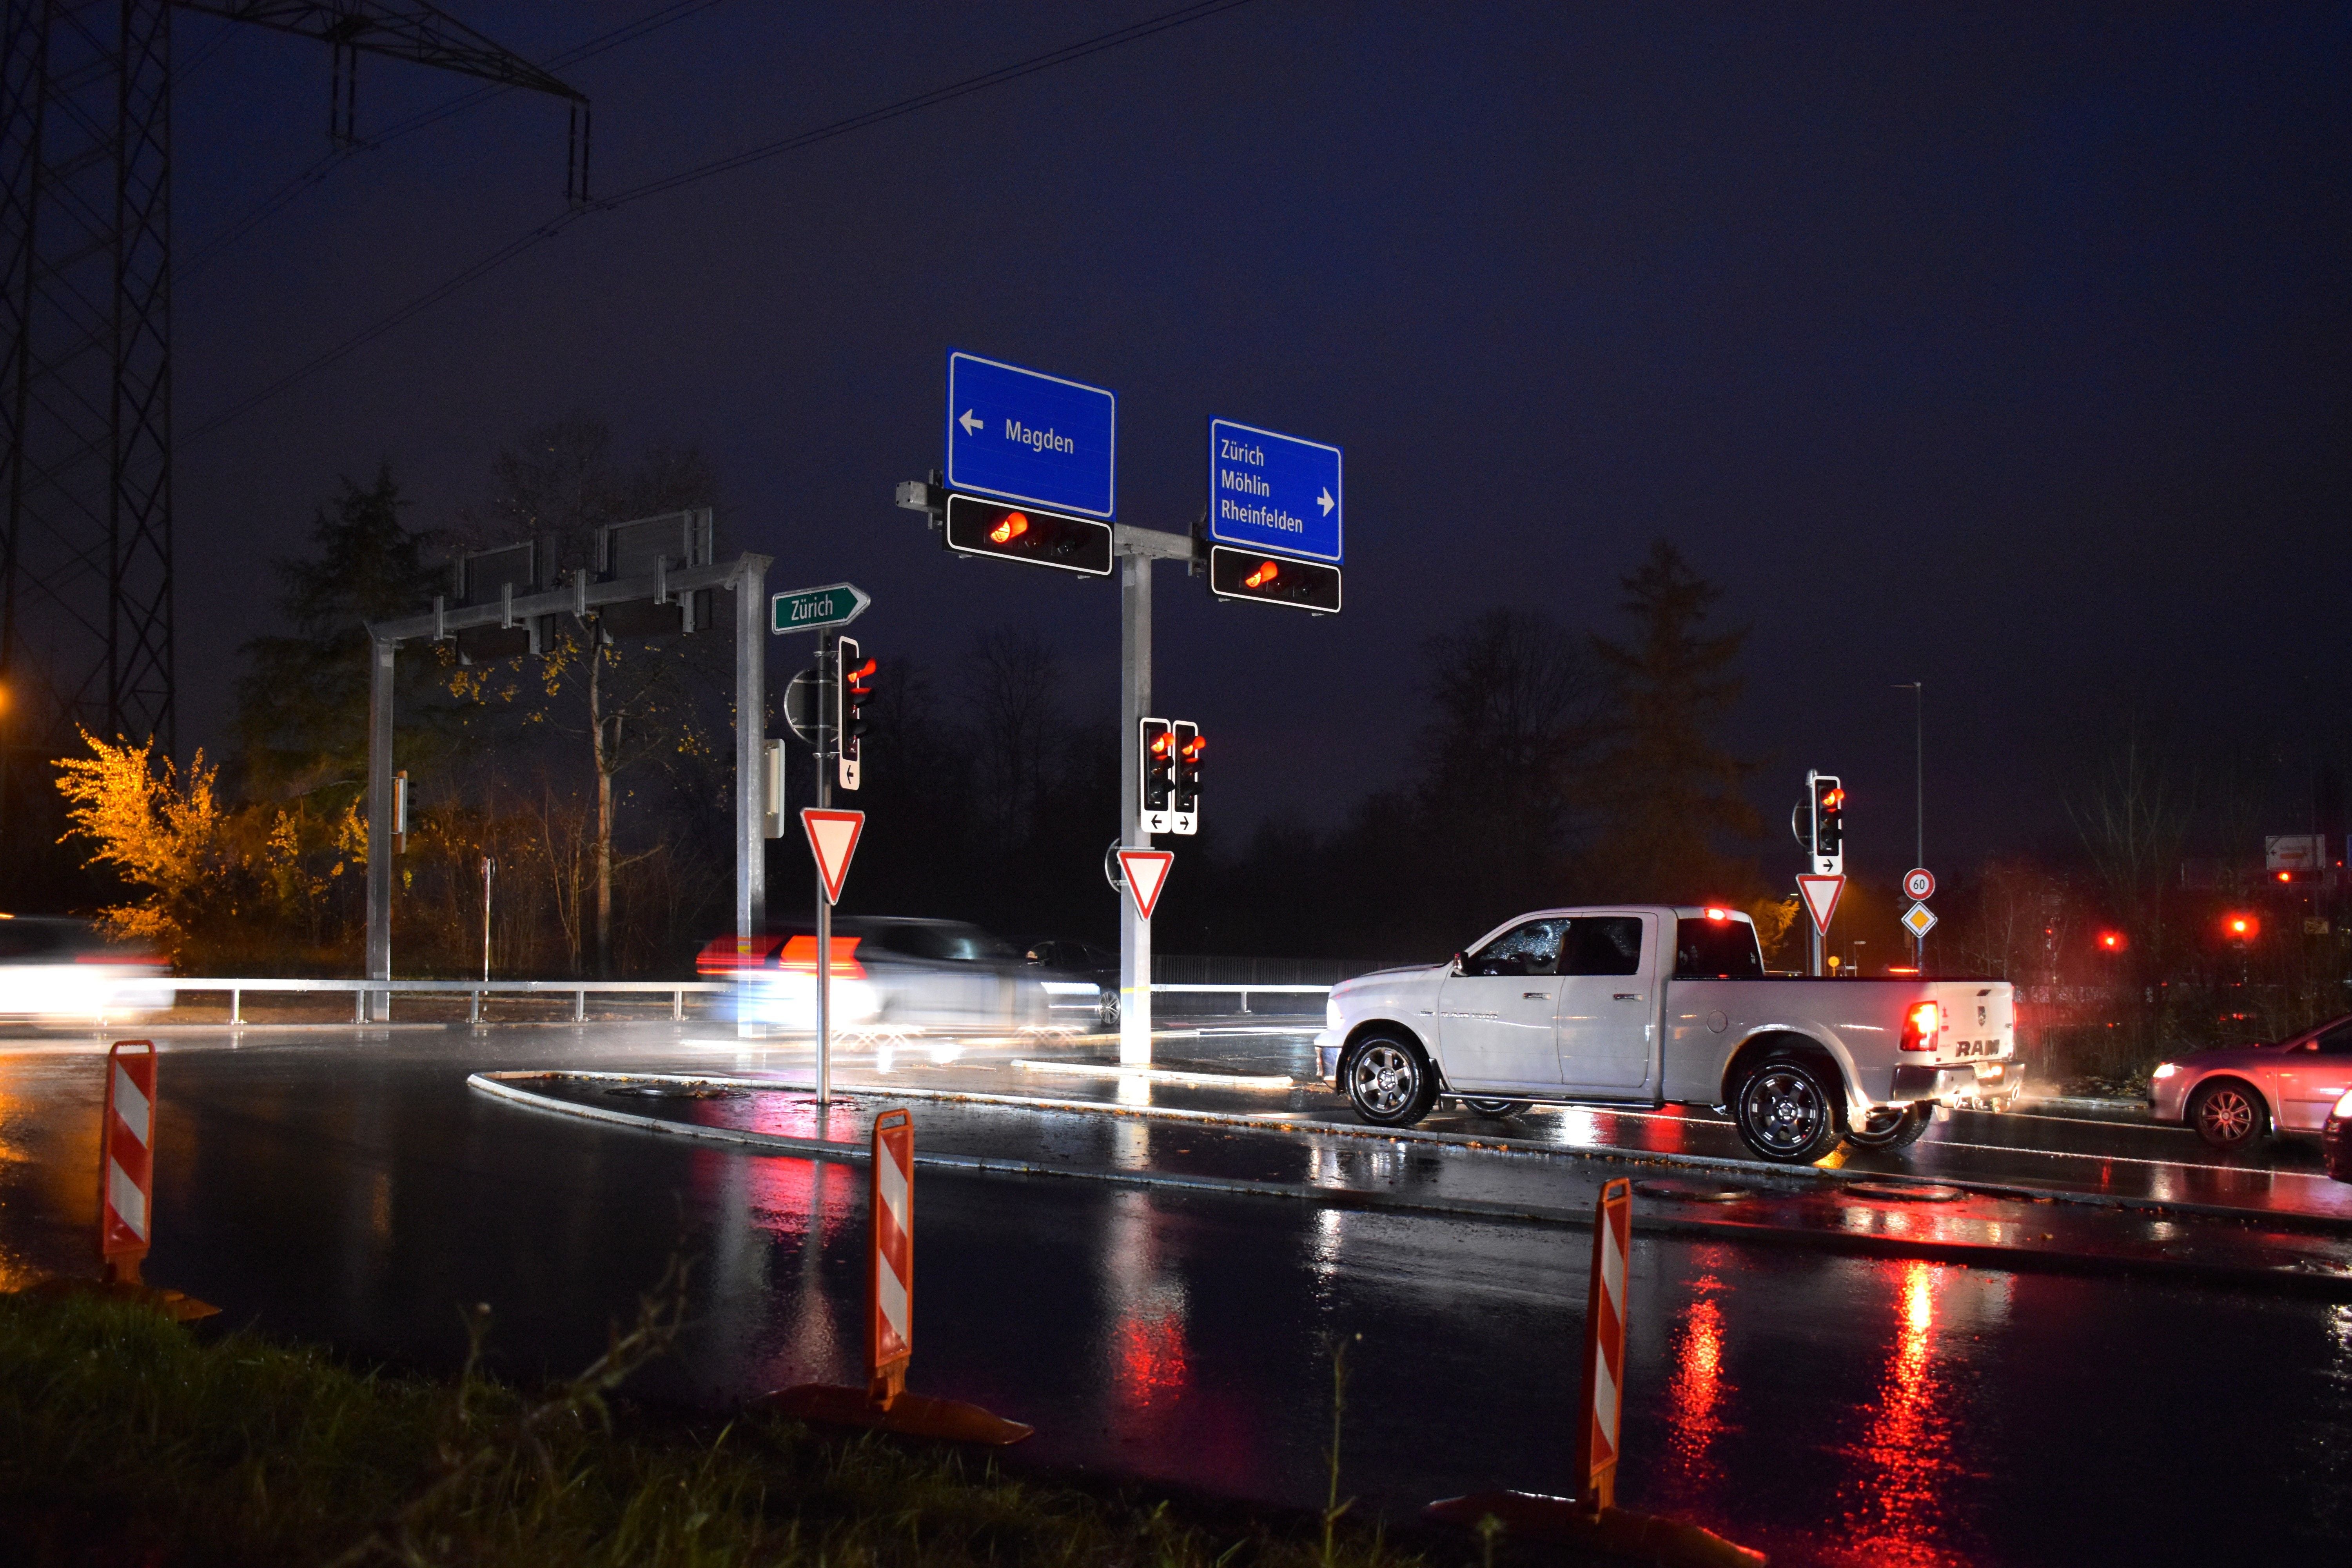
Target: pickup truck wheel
[[1389, 1083], [1497, 1109], [2228, 1116], [1789, 1111], [1892, 1127]]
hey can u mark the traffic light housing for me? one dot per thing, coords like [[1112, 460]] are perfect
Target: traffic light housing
[[852, 692], [1185, 741], [1029, 534], [1158, 776], [1829, 823], [1258, 577]]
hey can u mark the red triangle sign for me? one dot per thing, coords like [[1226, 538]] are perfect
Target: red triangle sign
[[833, 838], [1820, 895], [1145, 871]]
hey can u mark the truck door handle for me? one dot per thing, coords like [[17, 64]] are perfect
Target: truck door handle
[[1535, 995], [1627, 996]]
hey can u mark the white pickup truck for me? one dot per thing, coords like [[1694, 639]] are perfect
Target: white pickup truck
[[1645, 1004]]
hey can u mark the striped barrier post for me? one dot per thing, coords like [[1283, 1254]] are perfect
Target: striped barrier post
[[1593, 1519], [126, 1161], [885, 1403], [1604, 1345], [889, 1317]]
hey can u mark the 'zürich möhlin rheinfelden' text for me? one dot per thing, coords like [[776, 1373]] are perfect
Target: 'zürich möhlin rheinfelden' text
[[1240, 481]]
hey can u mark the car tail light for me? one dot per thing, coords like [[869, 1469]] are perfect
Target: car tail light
[[1921, 1025], [2344, 1107]]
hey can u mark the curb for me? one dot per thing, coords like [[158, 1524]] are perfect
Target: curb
[[503, 1086]]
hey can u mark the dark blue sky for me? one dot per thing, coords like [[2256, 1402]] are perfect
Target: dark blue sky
[[2000, 347]]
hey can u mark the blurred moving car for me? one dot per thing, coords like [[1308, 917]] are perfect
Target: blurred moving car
[[895, 971], [2335, 1140], [1079, 975], [53, 967], [2233, 1096]]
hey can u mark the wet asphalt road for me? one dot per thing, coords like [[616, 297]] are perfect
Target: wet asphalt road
[[1828, 1408]]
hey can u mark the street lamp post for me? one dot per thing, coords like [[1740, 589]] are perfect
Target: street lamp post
[[1918, 690]]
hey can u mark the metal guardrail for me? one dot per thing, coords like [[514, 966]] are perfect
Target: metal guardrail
[[1244, 988], [578, 990]]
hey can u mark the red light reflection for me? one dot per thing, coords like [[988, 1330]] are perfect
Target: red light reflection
[[1900, 1514]]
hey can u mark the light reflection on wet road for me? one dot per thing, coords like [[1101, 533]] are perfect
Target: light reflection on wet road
[[1831, 1409]]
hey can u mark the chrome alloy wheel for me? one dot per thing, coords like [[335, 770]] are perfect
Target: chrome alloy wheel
[[2225, 1116], [1784, 1109], [1385, 1079]]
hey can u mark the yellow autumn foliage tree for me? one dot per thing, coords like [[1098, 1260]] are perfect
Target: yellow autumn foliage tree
[[160, 829]]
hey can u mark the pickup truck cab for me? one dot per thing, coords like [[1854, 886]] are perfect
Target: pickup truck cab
[[1647, 1005]]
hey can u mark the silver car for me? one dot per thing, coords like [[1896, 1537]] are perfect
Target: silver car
[[893, 972], [2233, 1097]]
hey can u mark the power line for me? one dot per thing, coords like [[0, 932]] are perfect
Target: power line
[[531, 238], [317, 172]]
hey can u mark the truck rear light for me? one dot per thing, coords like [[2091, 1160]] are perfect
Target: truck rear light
[[1921, 1025]]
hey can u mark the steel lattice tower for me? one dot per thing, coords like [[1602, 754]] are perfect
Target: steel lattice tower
[[85, 546]]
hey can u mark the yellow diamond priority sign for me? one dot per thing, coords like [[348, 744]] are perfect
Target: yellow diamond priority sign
[[1920, 919]]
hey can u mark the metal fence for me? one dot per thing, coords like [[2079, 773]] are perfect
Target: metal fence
[[362, 990]]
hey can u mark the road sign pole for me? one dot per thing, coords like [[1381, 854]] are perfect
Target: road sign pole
[[827, 735], [1135, 701], [751, 749]]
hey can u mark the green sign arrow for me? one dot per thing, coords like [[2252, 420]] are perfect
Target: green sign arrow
[[817, 609]]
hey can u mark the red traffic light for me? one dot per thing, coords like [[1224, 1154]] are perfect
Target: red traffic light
[[2113, 941], [1263, 576], [2240, 928], [1252, 574], [1028, 533]]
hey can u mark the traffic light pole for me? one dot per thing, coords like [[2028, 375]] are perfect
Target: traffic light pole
[[1137, 549], [1134, 702]]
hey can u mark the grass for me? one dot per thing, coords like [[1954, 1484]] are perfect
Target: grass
[[126, 1439]]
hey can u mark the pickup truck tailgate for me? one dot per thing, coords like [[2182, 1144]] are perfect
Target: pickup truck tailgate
[[1975, 1040]]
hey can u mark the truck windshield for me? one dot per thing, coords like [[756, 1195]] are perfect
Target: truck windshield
[[1717, 950]]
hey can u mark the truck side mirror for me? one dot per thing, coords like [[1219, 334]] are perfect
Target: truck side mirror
[[1461, 963]]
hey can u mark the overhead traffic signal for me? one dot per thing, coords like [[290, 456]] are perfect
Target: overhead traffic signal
[[853, 690], [1030, 534], [1252, 574], [1828, 845], [1186, 741], [1159, 777]]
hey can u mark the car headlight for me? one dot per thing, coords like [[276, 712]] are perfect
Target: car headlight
[[2166, 1069], [1331, 1012], [2344, 1107]]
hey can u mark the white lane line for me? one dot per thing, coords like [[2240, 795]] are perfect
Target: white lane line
[[2123, 1160]]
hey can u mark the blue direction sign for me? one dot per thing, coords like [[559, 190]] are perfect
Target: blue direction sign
[[1023, 435], [1271, 491]]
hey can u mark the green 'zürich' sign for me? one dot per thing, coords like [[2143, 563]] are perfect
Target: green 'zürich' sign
[[817, 609]]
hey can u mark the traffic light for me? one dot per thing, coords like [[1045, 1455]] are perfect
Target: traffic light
[[2240, 927], [1026, 533], [1158, 774], [1828, 846], [1252, 574], [2113, 941], [853, 690], [1186, 741]]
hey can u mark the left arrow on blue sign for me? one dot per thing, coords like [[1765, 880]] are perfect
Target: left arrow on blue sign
[[1023, 435]]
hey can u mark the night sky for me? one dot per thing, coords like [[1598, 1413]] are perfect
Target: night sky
[[2003, 349]]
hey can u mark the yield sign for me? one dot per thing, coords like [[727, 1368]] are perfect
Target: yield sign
[[833, 838], [1820, 895], [1147, 872]]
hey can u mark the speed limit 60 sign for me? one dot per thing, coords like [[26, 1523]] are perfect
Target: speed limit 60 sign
[[1919, 882]]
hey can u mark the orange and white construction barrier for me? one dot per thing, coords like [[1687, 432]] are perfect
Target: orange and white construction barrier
[[126, 1161], [1593, 1519], [883, 1401], [126, 1188], [1604, 1345]]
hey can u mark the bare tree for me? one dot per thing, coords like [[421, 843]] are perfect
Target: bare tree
[[637, 702], [2131, 804]]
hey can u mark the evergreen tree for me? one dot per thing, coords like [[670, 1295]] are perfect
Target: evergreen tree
[[302, 707], [1671, 793]]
